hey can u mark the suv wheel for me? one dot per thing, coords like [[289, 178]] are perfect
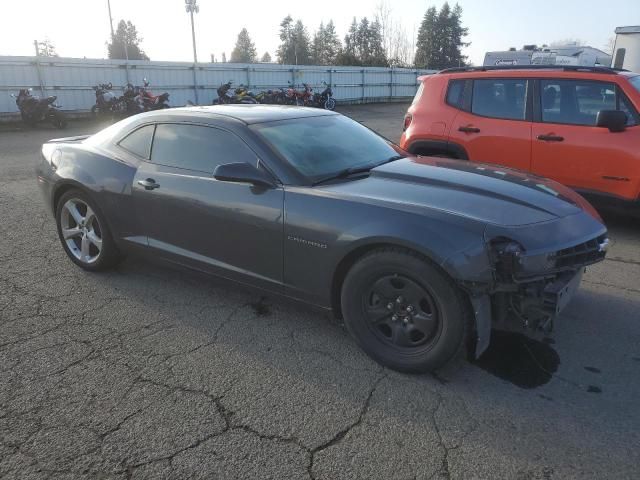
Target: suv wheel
[[403, 311]]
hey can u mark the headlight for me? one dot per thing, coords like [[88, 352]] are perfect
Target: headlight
[[507, 256]]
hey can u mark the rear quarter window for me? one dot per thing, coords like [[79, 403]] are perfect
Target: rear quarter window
[[138, 142], [455, 93], [416, 98]]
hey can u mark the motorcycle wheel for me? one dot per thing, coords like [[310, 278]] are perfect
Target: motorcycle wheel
[[94, 111], [58, 120], [330, 104]]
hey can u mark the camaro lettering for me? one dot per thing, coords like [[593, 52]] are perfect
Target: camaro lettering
[[309, 243]]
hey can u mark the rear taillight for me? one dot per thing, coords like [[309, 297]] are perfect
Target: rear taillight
[[407, 121]]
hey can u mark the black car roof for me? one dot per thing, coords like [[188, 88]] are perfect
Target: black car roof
[[248, 114]]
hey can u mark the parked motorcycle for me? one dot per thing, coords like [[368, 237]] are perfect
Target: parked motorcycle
[[150, 101], [305, 97], [240, 96], [132, 99], [34, 109], [106, 101], [325, 99]]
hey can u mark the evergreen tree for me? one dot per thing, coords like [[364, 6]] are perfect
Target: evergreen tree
[[426, 42], [326, 45], [245, 50], [364, 45], [349, 56], [457, 32], [440, 38], [318, 47], [332, 45], [266, 58], [126, 43], [377, 54], [301, 44], [286, 50]]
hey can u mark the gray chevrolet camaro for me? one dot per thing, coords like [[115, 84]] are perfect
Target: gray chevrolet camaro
[[422, 257]]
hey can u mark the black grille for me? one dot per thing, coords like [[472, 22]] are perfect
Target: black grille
[[583, 254]]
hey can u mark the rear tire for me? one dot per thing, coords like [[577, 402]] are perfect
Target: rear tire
[[403, 311], [84, 233]]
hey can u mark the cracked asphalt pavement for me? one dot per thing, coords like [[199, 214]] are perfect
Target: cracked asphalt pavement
[[148, 372]]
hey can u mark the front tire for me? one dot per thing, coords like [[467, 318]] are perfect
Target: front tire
[[403, 311], [84, 233], [330, 104]]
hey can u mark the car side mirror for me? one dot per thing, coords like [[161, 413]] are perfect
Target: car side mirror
[[614, 120], [242, 172]]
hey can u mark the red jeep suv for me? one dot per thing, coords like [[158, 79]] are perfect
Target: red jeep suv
[[579, 126]]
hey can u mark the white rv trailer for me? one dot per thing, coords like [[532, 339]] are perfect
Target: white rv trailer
[[577, 55], [626, 51]]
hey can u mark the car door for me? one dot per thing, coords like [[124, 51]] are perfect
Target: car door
[[570, 148], [231, 229], [494, 126]]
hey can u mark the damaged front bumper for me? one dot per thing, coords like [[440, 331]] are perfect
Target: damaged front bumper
[[530, 290]]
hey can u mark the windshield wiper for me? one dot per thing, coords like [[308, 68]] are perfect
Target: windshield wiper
[[347, 172]]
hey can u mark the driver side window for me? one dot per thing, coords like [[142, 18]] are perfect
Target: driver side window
[[576, 102], [197, 148]]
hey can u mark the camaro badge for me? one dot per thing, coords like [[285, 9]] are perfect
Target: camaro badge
[[309, 243]]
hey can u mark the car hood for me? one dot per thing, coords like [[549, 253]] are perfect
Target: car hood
[[488, 193]]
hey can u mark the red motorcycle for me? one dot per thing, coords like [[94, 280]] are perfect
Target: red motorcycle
[[150, 101], [300, 98]]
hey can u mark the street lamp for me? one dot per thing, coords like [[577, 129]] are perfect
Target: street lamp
[[191, 6]]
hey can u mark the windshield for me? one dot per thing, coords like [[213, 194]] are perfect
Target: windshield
[[319, 147], [635, 81]]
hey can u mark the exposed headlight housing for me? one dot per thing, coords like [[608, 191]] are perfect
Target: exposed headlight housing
[[507, 256]]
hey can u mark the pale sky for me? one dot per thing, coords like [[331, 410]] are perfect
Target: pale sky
[[80, 28]]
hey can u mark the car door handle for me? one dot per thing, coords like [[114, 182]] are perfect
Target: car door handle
[[148, 184], [469, 129], [550, 138]]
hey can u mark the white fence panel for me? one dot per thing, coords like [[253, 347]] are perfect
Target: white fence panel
[[72, 79]]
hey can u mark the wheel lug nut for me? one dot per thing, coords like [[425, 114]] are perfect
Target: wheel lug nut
[[405, 320], [399, 300], [394, 318], [389, 306], [409, 309]]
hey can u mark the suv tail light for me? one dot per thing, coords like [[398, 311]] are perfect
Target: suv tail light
[[407, 121]]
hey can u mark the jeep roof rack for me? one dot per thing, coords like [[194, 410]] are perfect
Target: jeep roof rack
[[566, 68]]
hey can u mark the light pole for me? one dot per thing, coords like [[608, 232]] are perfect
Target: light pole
[[113, 36], [191, 6], [110, 18]]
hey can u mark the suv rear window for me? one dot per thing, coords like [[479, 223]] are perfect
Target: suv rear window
[[500, 98], [455, 93]]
